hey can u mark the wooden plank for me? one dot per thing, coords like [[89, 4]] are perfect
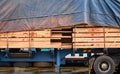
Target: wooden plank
[[3, 35], [18, 40], [18, 34], [113, 39], [25, 39], [26, 43], [96, 29], [96, 45], [18, 44], [88, 39], [46, 45], [88, 45], [41, 33], [112, 34], [112, 29], [87, 35], [96, 34], [3, 44], [29, 44], [3, 40], [77, 30], [112, 45], [66, 45], [40, 39]]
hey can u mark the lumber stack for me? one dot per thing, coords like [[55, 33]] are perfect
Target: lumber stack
[[47, 38], [64, 37], [24, 39], [96, 37], [112, 37]]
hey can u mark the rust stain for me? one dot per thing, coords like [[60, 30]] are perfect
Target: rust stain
[[33, 34], [56, 21]]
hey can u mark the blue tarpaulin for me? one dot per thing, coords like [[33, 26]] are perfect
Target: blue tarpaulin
[[18, 15]]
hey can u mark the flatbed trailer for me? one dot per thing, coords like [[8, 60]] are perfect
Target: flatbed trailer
[[101, 44]]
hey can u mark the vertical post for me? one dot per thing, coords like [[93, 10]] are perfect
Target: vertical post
[[7, 49], [32, 51], [73, 53], [7, 52], [105, 49], [104, 36], [58, 61]]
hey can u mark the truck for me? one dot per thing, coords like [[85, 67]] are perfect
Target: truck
[[59, 45], [57, 32]]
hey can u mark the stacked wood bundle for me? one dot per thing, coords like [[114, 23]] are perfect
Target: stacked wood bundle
[[47, 38], [96, 37], [63, 37]]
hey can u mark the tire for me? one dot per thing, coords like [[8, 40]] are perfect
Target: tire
[[104, 65]]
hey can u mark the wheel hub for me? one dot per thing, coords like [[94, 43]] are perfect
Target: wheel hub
[[104, 66]]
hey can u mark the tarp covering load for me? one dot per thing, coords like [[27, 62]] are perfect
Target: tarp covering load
[[18, 15]]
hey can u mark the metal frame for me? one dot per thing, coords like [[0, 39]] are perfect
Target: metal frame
[[55, 55]]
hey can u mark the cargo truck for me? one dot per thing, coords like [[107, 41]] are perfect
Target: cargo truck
[[58, 31], [98, 46]]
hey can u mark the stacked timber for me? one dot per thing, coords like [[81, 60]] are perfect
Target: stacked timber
[[112, 37], [46, 38], [96, 37], [64, 37], [25, 39]]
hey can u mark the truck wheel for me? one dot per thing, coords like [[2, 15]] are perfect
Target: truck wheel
[[104, 65]]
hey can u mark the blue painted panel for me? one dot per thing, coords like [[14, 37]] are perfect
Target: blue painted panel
[[47, 49]]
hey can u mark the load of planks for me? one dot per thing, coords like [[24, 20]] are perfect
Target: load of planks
[[63, 37], [46, 38], [96, 37]]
